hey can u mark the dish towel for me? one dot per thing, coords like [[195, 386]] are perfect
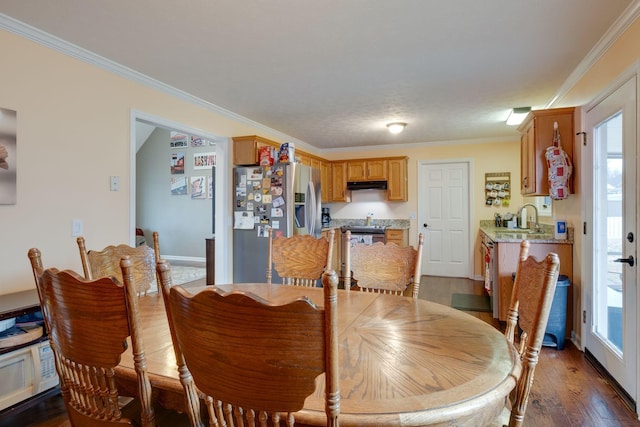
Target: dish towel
[[487, 271]]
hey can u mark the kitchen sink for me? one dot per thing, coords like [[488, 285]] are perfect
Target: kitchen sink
[[518, 231], [368, 229]]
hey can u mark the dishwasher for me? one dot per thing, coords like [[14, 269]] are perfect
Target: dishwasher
[[490, 271]]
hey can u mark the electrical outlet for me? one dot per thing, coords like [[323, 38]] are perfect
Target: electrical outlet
[[114, 183], [76, 227]]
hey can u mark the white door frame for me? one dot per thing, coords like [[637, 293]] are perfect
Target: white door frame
[[223, 259], [587, 174], [421, 214]]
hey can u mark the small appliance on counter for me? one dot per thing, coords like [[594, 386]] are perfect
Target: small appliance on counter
[[326, 217]]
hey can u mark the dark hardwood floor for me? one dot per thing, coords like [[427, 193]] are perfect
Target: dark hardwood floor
[[567, 391]]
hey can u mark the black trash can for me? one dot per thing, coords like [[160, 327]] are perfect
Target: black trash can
[[557, 324]]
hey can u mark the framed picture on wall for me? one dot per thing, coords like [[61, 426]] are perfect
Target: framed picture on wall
[[197, 141], [198, 187], [179, 185], [8, 161], [204, 160], [177, 163], [179, 140]]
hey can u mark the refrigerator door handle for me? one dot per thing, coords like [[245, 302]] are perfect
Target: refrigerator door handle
[[310, 209]]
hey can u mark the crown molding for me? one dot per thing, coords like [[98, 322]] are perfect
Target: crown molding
[[614, 32], [48, 40]]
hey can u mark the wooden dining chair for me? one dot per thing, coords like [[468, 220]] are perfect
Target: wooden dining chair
[[88, 322], [300, 259], [106, 263], [383, 267], [531, 298], [256, 362]]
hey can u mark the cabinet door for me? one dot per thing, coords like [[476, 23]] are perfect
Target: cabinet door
[[527, 160], [305, 160], [339, 182], [399, 237], [536, 136], [507, 260], [376, 169], [356, 170], [325, 181], [397, 180], [245, 149], [367, 170]]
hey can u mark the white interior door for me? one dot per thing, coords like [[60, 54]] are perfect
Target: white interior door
[[443, 217], [610, 243]]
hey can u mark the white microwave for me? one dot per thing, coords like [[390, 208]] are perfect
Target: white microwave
[[26, 372]]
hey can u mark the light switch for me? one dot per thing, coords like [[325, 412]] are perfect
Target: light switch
[[114, 183], [76, 227]]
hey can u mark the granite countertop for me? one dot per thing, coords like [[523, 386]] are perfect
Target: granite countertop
[[503, 234], [391, 224]]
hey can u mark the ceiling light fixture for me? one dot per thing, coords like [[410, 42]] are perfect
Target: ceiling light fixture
[[396, 127], [517, 115]]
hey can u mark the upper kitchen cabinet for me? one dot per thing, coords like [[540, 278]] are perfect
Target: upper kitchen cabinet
[[397, 180], [245, 149], [325, 181], [536, 134], [367, 170], [339, 182]]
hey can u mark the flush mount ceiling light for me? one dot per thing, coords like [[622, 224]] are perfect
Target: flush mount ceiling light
[[396, 127], [517, 115]]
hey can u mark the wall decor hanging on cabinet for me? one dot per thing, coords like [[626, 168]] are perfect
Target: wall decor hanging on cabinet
[[497, 189], [8, 161]]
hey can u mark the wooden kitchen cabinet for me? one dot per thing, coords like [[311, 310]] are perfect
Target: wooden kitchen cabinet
[[245, 149], [397, 180], [398, 236], [339, 191], [303, 159], [536, 134], [507, 258], [325, 181], [367, 170]]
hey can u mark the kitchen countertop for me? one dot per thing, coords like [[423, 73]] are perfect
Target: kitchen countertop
[[389, 224], [503, 234]]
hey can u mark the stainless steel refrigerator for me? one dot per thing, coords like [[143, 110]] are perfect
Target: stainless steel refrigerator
[[284, 197]]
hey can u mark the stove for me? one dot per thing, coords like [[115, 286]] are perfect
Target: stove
[[364, 229], [362, 234]]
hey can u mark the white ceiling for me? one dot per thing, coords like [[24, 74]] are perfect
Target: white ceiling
[[332, 73]]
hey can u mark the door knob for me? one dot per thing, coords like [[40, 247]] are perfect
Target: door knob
[[425, 225], [629, 260]]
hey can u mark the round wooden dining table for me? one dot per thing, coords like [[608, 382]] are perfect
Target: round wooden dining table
[[403, 362]]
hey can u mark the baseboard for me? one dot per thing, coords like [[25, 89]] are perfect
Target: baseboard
[[184, 258], [624, 396]]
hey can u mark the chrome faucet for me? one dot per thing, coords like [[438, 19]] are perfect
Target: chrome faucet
[[536, 226]]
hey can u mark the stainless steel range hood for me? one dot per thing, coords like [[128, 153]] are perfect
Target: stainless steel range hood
[[366, 185]]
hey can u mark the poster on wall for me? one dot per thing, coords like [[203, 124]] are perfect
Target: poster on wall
[[8, 161], [177, 163], [204, 160], [178, 140], [179, 185], [198, 187], [197, 141]]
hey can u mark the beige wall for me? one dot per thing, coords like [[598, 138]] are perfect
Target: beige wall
[[73, 133]]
